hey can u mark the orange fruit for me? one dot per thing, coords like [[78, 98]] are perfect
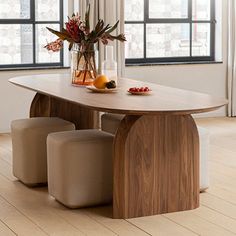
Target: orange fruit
[[100, 82]]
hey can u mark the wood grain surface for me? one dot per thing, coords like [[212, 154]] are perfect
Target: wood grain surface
[[156, 166], [162, 100], [46, 106]]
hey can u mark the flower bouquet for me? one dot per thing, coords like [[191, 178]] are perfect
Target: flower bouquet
[[82, 42]]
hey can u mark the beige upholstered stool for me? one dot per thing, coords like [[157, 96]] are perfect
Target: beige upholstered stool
[[110, 123], [29, 147], [204, 140], [80, 167]]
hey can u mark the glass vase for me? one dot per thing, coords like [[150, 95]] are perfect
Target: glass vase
[[109, 66], [83, 64]]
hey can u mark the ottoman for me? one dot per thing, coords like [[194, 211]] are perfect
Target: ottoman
[[80, 167], [29, 147]]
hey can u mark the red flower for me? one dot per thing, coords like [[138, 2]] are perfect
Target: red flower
[[54, 46], [73, 29]]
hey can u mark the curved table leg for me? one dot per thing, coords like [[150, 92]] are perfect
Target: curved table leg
[[156, 166], [46, 106]]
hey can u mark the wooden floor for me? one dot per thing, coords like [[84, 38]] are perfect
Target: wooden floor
[[25, 211]]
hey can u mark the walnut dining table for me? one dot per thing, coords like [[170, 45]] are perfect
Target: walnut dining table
[[156, 146]]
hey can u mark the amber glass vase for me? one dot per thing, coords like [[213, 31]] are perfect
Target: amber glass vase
[[83, 64]]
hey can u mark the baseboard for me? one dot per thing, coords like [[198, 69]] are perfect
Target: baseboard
[[5, 131]]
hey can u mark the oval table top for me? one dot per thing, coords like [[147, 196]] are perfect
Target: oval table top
[[161, 100]]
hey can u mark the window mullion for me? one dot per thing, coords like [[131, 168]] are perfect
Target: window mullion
[[212, 28], [48, 22], [146, 16], [61, 10], [167, 21], [190, 16], [32, 9], [15, 21]]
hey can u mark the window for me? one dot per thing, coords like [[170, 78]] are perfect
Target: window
[[169, 30], [23, 32]]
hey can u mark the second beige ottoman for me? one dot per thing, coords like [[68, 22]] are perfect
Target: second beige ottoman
[[29, 147], [80, 167], [110, 122]]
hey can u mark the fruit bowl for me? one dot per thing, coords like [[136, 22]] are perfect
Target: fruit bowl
[[139, 91]]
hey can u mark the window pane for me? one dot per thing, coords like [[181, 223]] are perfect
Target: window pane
[[134, 45], [167, 40], [43, 36], [14, 9], [201, 39], [134, 10], [47, 10], [201, 9], [16, 44], [168, 8]]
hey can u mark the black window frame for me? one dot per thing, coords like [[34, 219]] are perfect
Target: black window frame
[[190, 21], [32, 21]]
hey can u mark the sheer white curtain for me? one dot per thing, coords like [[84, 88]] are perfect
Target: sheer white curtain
[[110, 11], [231, 70]]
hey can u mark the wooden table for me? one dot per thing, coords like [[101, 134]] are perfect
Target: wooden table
[[156, 147]]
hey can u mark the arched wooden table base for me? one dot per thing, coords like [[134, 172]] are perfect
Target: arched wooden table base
[[47, 106], [156, 165]]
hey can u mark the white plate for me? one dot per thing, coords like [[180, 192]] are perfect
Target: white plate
[[96, 90]]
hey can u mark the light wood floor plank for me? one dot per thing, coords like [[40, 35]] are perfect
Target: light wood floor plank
[[197, 224], [15, 220], [97, 221], [225, 142], [159, 225], [5, 231], [6, 155], [5, 140], [222, 181], [121, 227], [222, 193], [82, 221], [219, 205], [216, 218], [29, 202], [6, 170], [218, 125], [222, 169], [223, 156]]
